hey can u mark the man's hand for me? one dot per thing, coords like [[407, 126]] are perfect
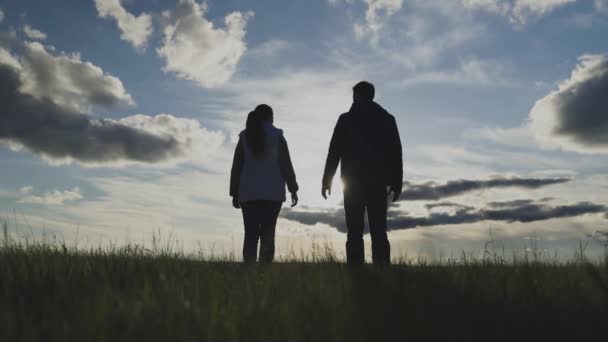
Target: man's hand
[[396, 193], [325, 191], [235, 202], [294, 199]]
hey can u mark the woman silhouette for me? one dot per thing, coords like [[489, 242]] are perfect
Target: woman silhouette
[[260, 169]]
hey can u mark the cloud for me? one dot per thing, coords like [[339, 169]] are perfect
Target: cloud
[[135, 30], [335, 2], [311, 217], [511, 204], [432, 206], [493, 6], [523, 213], [195, 142], [377, 11], [6, 58], [601, 6], [55, 197], [270, 48], [573, 117], [66, 80], [434, 192], [63, 135], [427, 32], [195, 50], [471, 71], [591, 18], [519, 12], [32, 33], [1, 15], [520, 136]]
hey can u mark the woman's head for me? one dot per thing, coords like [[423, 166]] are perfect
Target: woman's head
[[265, 112]]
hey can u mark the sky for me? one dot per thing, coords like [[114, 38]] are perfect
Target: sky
[[119, 118]]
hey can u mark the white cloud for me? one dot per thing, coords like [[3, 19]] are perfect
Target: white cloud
[[194, 49], [7, 58], [335, 2], [470, 72], [135, 30], [601, 6], [55, 197], [519, 12], [590, 18], [416, 38], [68, 81], [270, 48], [375, 7], [525, 9], [1, 15], [521, 137], [32, 33], [375, 15], [583, 20], [573, 117], [494, 6]]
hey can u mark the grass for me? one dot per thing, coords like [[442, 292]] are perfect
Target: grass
[[51, 292]]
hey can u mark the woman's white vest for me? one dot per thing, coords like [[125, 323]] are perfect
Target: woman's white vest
[[261, 177]]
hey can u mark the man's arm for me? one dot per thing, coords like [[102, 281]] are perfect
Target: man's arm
[[287, 170], [333, 156], [396, 160], [237, 168]]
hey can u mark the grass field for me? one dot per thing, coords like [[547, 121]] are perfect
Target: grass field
[[53, 293]]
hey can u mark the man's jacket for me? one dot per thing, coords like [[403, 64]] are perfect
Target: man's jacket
[[366, 142]]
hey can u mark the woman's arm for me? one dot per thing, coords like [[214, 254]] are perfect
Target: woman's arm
[[287, 170], [237, 169]]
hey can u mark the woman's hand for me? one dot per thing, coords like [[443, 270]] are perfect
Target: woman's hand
[[235, 202], [294, 199]]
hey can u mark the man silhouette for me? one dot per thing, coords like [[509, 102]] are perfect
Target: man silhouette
[[366, 142]]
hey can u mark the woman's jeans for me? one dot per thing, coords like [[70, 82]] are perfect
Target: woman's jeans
[[260, 219]]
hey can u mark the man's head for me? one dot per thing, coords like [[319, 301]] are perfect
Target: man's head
[[363, 92]]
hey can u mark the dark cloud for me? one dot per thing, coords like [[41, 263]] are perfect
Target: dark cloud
[[432, 206], [67, 80], [541, 212], [310, 217], [510, 204], [574, 116], [59, 133], [434, 192], [527, 212], [517, 203]]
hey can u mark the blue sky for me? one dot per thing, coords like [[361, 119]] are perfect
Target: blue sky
[[480, 88]]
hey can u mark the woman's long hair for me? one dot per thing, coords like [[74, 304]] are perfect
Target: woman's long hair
[[254, 133]]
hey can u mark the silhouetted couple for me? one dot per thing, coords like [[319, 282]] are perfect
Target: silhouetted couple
[[367, 145]]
